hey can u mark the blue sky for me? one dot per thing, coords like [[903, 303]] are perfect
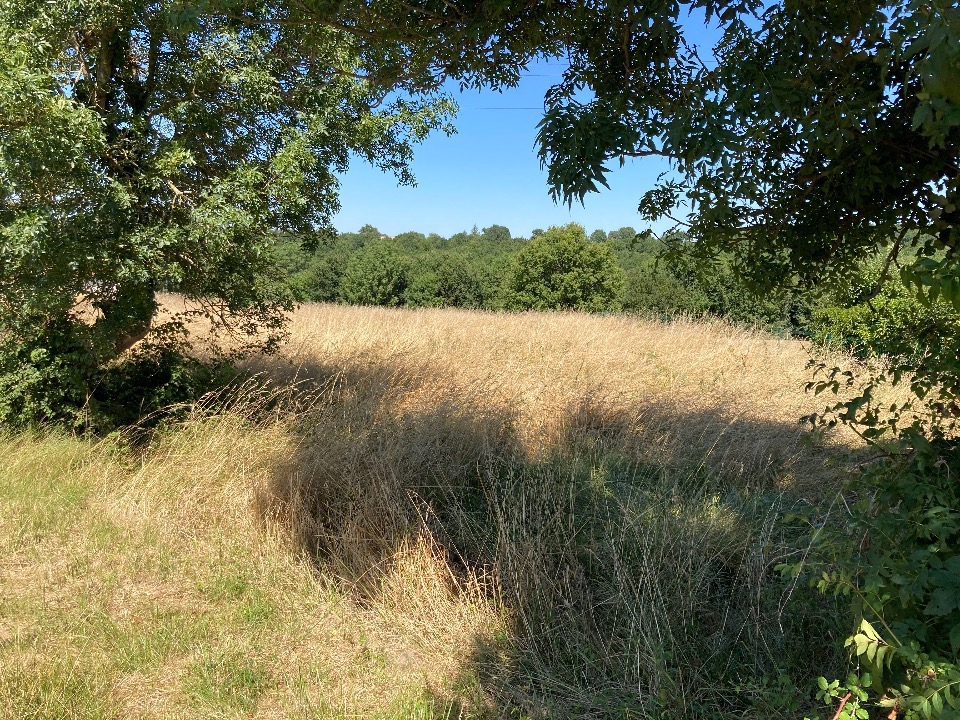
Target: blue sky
[[489, 173]]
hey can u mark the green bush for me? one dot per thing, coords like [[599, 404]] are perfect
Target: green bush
[[446, 280], [56, 380], [893, 555], [893, 323], [375, 275], [149, 385], [320, 281], [561, 269], [894, 550], [655, 292], [46, 377]]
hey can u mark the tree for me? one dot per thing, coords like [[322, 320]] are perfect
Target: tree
[[496, 233], [149, 146], [560, 269], [653, 291], [375, 275], [320, 282], [623, 238], [459, 283], [411, 241], [445, 279], [368, 235]]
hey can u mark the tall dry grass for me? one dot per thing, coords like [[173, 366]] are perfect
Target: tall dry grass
[[435, 514], [678, 393], [621, 484]]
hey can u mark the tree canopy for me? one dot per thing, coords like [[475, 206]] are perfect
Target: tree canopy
[[810, 136], [560, 270], [152, 146]]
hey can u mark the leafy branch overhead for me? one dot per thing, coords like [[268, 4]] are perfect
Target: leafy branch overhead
[[154, 146], [812, 134]]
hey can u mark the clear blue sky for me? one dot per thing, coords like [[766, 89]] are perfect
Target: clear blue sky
[[489, 173]]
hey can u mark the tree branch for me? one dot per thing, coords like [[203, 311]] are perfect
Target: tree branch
[[842, 703], [84, 70]]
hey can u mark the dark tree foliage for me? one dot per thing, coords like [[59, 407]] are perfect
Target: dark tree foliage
[[496, 233], [447, 280], [375, 275], [157, 145]]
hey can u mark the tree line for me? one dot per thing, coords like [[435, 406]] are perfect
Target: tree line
[[554, 269], [564, 268]]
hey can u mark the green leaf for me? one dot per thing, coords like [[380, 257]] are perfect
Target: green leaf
[[955, 638], [868, 630], [942, 602]]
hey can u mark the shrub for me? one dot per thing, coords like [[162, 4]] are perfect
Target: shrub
[[656, 292], [560, 269], [320, 282], [892, 323], [64, 386], [375, 275], [46, 377], [448, 280]]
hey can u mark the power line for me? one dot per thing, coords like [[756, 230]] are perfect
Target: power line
[[541, 108]]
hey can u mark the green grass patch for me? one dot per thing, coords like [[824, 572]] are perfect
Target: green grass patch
[[145, 643], [43, 490], [57, 689], [226, 681]]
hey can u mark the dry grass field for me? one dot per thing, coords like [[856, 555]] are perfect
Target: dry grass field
[[686, 391], [433, 514]]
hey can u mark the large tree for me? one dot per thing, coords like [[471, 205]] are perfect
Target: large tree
[[156, 144], [561, 270]]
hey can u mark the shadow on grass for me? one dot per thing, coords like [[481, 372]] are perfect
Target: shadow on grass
[[631, 547]]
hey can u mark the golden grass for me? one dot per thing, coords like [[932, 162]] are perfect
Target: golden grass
[[407, 543], [677, 393], [154, 589]]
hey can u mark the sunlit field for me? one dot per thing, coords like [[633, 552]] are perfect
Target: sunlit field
[[435, 514]]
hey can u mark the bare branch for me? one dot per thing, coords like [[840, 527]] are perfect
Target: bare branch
[[180, 194]]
